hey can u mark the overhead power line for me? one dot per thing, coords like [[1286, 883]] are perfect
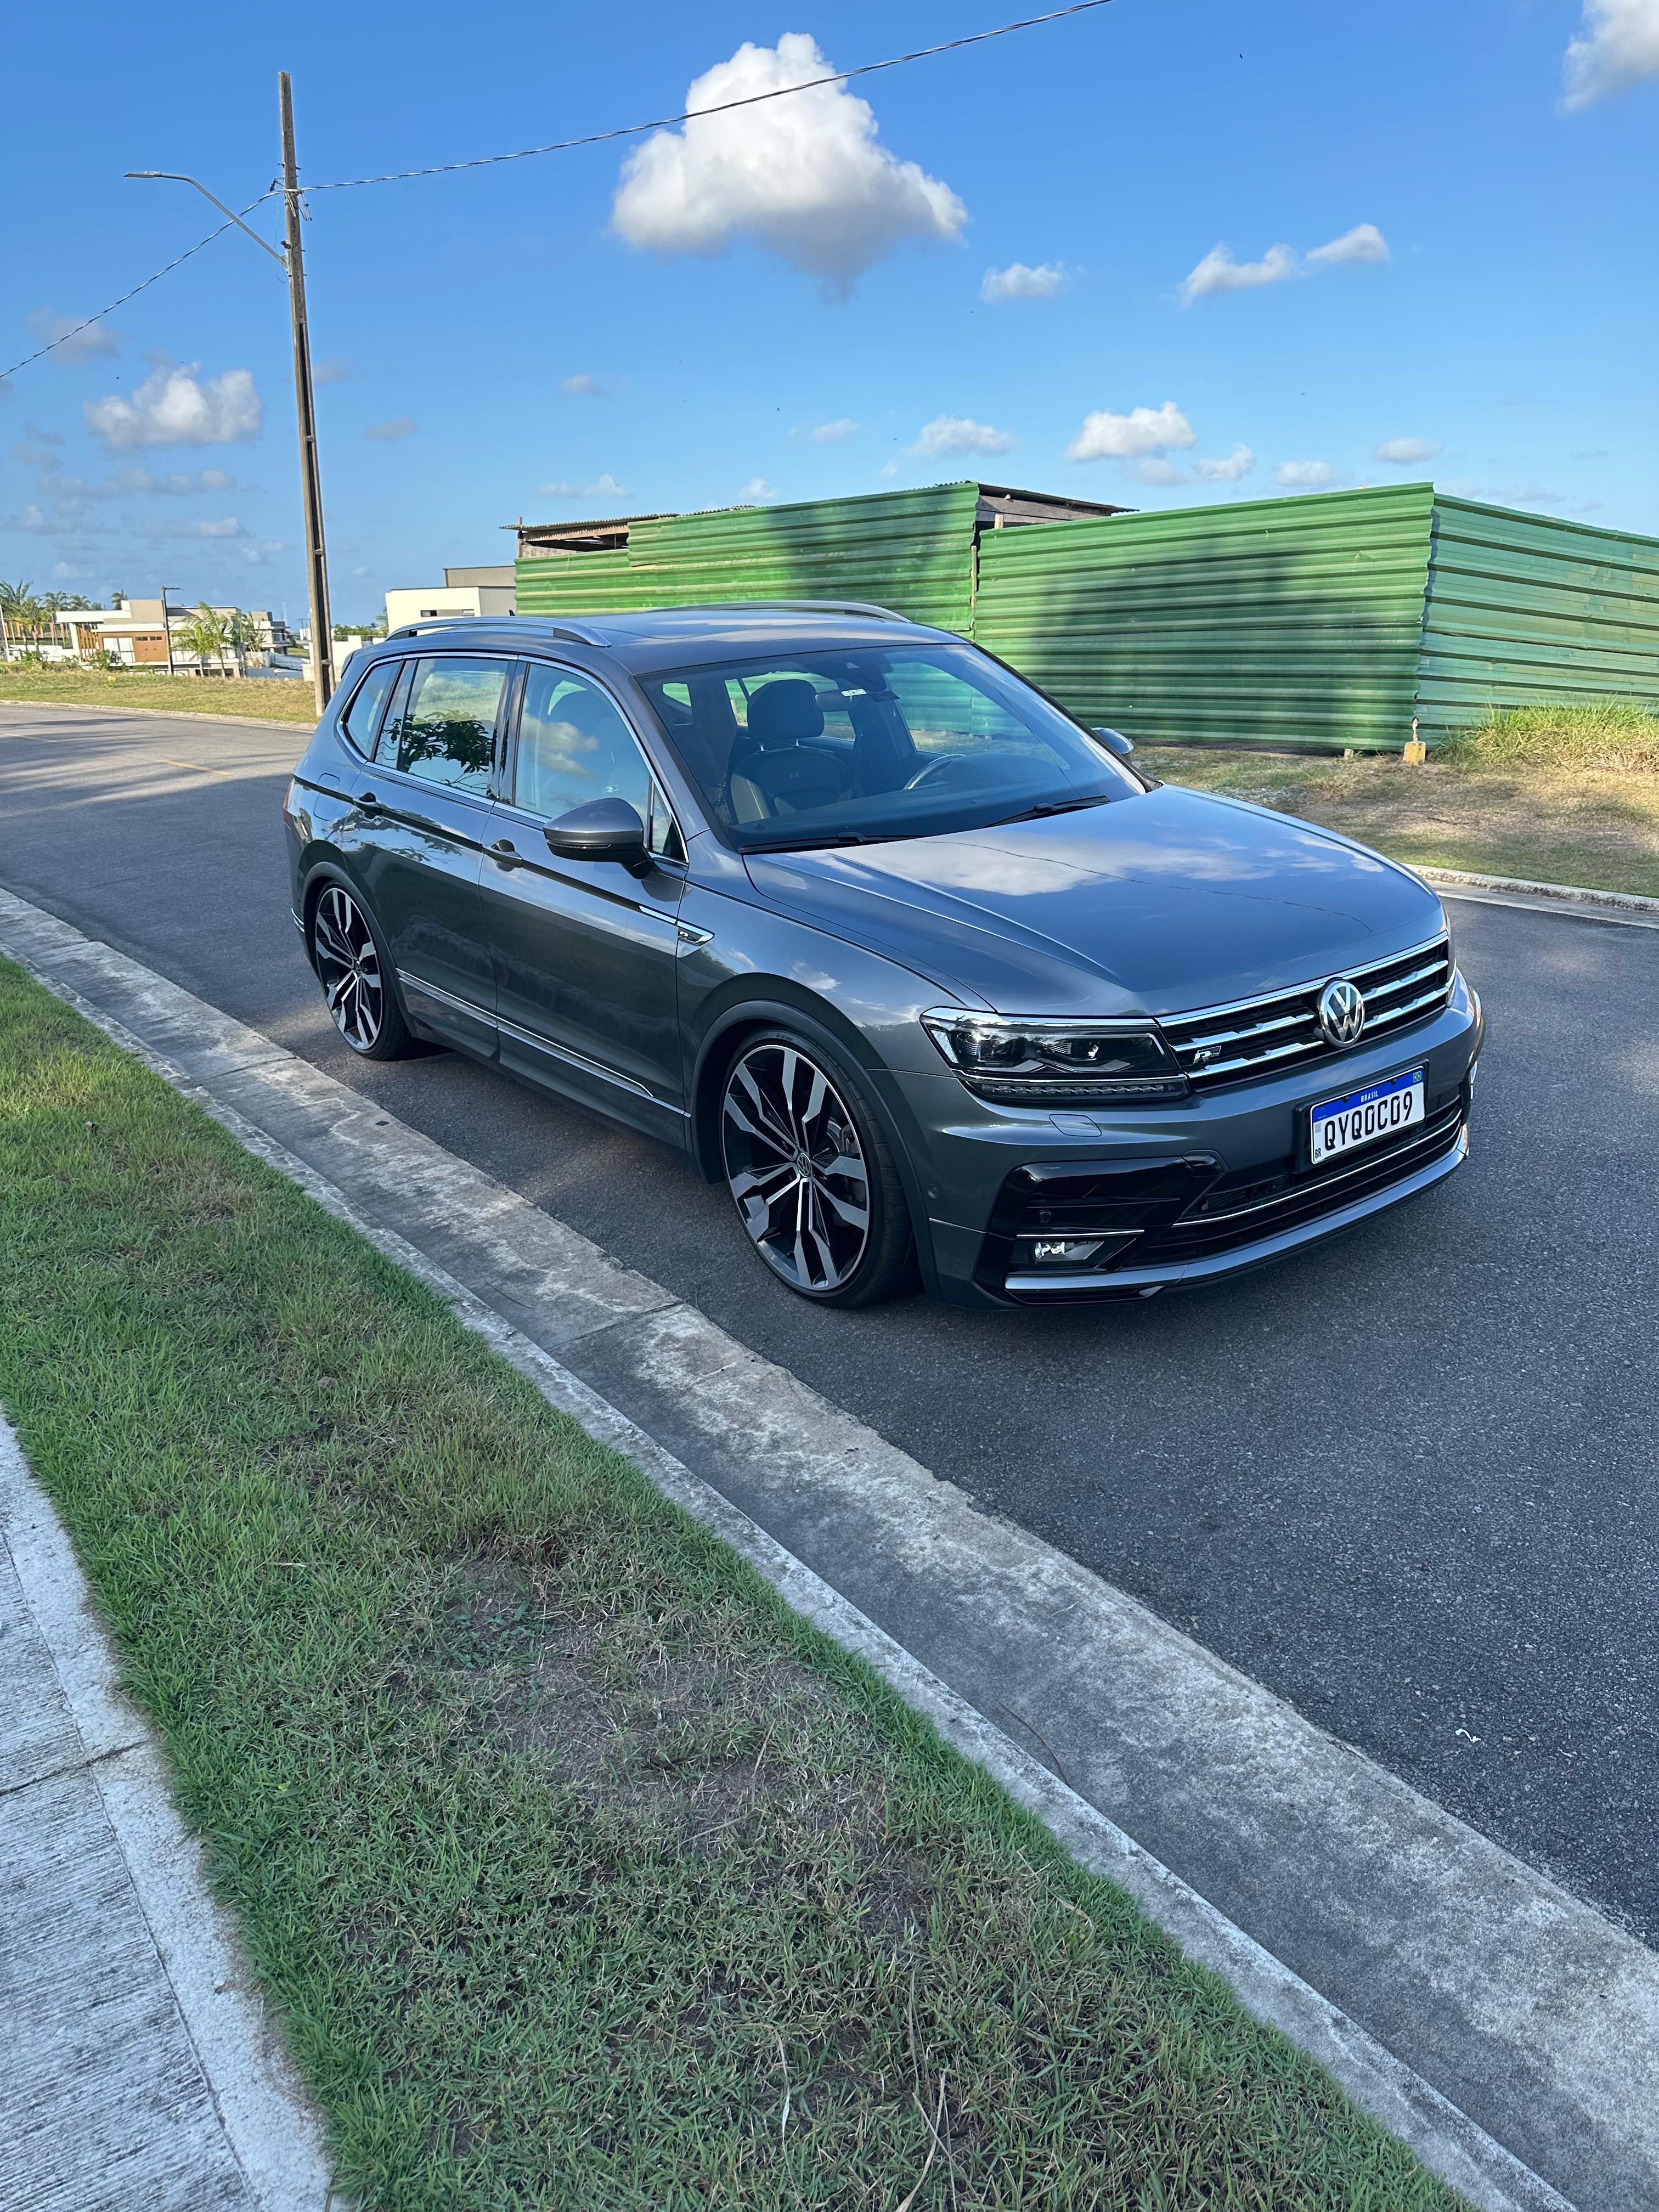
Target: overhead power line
[[64, 338], [721, 107], [567, 145]]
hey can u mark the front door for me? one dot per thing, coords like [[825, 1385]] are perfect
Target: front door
[[426, 798], [585, 952]]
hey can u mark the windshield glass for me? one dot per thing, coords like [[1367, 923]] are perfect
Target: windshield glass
[[856, 744]]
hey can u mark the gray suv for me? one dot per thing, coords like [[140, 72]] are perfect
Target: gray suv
[[924, 970]]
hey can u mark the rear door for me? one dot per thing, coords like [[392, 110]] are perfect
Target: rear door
[[586, 990], [427, 796]]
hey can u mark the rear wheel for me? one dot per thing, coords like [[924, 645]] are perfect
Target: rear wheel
[[812, 1175], [355, 976]]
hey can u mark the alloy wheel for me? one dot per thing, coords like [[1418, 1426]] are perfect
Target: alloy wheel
[[796, 1167], [348, 966]]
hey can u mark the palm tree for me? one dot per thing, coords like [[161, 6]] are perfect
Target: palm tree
[[203, 636], [16, 602], [245, 634]]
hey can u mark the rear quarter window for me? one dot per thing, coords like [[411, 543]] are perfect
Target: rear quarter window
[[361, 719]]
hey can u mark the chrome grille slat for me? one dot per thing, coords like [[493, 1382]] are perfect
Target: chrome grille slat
[[1255, 1029]]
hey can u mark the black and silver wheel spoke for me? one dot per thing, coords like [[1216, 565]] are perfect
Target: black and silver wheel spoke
[[796, 1167], [349, 967]]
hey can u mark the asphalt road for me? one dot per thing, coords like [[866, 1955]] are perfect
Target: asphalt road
[[1409, 1481]]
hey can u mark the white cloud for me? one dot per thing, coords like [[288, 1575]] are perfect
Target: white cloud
[[1403, 451], [1305, 475], [226, 526], [959, 433], [400, 426], [603, 488], [175, 407], [32, 519], [802, 177], [48, 328], [1229, 469], [1364, 242], [1019, 282], [335, 370], [1105, 436], [1618, 46], [1219, 272], [582, 387], [831, 434], [756, 492], [1158, 471]]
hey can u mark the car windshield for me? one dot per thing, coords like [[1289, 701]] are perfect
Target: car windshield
[[856, 744]]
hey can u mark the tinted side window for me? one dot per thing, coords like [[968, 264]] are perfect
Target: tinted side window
[[362, 719], [446, 725], [574, 746]]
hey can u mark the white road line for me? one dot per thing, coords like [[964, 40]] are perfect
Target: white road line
[[1495, 1975]]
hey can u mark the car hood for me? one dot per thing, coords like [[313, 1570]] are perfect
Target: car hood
[[1155, 904]]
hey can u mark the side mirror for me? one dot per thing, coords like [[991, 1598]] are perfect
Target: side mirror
[[604, 830], [1115, 742]]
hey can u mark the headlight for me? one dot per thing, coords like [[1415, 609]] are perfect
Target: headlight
[[1060, 1063]]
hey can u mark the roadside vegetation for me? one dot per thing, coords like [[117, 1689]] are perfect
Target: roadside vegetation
[[1567, 795], [584, 1873], [261, 698]]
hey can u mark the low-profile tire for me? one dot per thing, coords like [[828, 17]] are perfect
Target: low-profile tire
[[811, 1173], [356, 974]]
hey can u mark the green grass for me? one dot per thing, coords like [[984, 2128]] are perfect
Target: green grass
[[584, 1873], [263, 698], [1605, 734]]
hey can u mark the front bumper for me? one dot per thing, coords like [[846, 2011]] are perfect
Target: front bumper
[[1191, 1192]]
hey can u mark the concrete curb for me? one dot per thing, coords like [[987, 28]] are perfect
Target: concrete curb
[[145, 2069], [1567, 894], [230, 1055]]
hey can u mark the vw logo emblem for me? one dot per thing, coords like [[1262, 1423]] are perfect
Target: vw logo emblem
[[1341, 1011]]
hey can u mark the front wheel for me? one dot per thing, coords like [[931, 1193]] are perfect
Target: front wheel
[[812, 1175], [355, 977]]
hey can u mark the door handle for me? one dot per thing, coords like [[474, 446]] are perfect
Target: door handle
[[368, 802], [505, 852]]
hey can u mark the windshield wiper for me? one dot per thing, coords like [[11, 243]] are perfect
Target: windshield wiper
[[1052, 806], [812, 844]]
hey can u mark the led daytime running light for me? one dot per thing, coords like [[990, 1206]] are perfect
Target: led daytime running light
[[1055, 1061]]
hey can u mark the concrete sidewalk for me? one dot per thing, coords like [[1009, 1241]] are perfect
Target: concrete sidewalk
[[137, 2066]]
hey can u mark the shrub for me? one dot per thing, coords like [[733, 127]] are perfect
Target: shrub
[[1600, 733]]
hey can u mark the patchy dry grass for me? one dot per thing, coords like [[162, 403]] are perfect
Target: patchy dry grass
[[1494, 806], [265, 698], [584, 1873]]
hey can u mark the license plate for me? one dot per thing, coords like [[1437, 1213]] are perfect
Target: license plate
[[1365, 1117]]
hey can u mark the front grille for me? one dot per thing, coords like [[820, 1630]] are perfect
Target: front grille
[[1258, 1036], [1227, 1220]]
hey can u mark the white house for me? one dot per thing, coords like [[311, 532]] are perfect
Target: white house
[[484, 591]]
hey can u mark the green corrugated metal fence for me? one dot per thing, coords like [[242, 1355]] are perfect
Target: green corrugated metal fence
[[1315, 623], [1284, 621], [912, 551], [1524, 609]]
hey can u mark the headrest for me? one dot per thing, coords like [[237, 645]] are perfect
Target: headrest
[[784, 711]]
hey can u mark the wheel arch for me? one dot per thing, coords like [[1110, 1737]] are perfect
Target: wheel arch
[[773, 1001]]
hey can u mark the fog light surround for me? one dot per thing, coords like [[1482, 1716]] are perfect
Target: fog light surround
[[1039, 1061]]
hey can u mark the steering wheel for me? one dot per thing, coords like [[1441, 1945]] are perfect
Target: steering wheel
[[933, 768]]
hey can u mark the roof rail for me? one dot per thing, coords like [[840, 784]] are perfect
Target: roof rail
[[532, 622], [817, 607]]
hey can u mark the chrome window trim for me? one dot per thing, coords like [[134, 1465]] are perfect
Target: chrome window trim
[[510, 767]]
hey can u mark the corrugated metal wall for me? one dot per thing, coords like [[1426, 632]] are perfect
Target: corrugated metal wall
[[1523, 607], [1319, 622], [1283, 621], [912, 551]]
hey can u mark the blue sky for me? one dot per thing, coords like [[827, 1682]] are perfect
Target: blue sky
[[519, 339]]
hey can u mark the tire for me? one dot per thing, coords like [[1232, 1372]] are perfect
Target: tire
[[811, 1173], [355, 975]]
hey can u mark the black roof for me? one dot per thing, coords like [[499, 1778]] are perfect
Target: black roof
[[656, 637]]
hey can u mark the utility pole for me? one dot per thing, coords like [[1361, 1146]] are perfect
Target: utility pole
[[166, 626], [322, 629]]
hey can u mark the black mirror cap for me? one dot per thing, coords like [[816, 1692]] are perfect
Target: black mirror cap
[[1115, 742], [604, 830]]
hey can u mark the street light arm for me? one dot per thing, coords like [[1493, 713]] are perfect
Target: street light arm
[[173, 177]]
